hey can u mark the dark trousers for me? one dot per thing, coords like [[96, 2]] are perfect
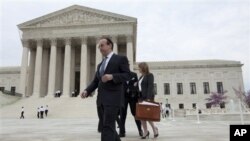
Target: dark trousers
[[118, 118], [100, 116], [41, 114], [22, 115], [109, 117], [132, 104], [46, 112]]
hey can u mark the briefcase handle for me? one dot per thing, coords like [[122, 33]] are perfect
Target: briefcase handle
[[150, 101]]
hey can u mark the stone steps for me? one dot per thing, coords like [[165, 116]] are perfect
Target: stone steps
[[63, 107]]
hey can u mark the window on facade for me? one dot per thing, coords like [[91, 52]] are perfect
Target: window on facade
[[208, 106], [13, 89], [181, 106], [2, 89], [166, 89], [192, 88], [219, 87], [222, 105], [155, 88], [194, 105], [206, 87], [179, 88]]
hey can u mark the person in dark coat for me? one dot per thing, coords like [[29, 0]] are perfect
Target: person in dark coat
[[130, 98], [109, 78], [146, 90]]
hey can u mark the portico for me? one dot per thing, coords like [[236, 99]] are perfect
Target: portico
[[60, 50]]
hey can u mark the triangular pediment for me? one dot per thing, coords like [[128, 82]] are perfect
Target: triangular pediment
[[76, 15]]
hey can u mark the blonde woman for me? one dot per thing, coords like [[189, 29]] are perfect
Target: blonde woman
[[146, 90]]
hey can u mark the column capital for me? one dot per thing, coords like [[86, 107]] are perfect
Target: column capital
[[67, 41], [39, 42], [129, 38], [98, 39], [53, 41], [25, 42], [114, 39], [84, 40]]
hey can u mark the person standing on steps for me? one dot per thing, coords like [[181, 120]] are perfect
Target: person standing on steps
[[41, 112], [22, 113], [46, 110], [38, 112]]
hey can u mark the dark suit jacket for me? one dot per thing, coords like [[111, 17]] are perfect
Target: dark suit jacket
[[147, 87], [133, 90], [110, 93]]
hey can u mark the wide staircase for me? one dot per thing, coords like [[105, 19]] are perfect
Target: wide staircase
[[63, 107]]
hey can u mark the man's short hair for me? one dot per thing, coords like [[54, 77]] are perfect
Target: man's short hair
[[109, 41]]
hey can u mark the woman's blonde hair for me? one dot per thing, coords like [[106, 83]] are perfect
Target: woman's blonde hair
[[144, 67]]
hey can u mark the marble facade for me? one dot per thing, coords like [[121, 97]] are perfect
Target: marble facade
[[60, 50]]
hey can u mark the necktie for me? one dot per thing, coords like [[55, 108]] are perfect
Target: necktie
[[102, 68]]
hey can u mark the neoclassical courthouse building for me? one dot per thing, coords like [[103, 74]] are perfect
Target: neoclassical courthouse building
[[60, 52]]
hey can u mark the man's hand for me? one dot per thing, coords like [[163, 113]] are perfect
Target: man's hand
[[107, 77], [84, 94]]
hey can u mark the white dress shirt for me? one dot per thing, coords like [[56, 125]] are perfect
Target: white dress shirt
[[108, 58], [139, 84]]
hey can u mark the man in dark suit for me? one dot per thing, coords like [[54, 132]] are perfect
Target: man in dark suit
[[130, 97], [109, 78]]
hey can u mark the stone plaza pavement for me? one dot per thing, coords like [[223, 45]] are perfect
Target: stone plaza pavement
[[77, 120], [85, 129]]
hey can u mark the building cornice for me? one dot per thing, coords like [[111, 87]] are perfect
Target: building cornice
[[10, 70], [195, 64]]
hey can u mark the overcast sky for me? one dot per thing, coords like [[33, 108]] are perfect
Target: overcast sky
[[168, 30]]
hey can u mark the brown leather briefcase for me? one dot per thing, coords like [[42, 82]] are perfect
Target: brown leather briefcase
[[149, 111]]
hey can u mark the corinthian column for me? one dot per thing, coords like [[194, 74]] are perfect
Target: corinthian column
[[31, 71], [115, 48], [52, 68], [72, 71], [84, 66], [98, 54], [24, 66], [130, 52], [38, 68], [67, 68]]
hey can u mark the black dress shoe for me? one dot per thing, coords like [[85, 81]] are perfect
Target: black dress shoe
[[122, 135]]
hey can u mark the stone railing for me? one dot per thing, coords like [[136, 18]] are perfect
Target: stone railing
[[214, 110], [206, 111]]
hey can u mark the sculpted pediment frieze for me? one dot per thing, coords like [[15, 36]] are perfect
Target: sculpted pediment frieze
[[75, 17]]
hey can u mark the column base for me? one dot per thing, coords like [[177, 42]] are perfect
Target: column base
[[50, 94], [36, 95], [65, 95]]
